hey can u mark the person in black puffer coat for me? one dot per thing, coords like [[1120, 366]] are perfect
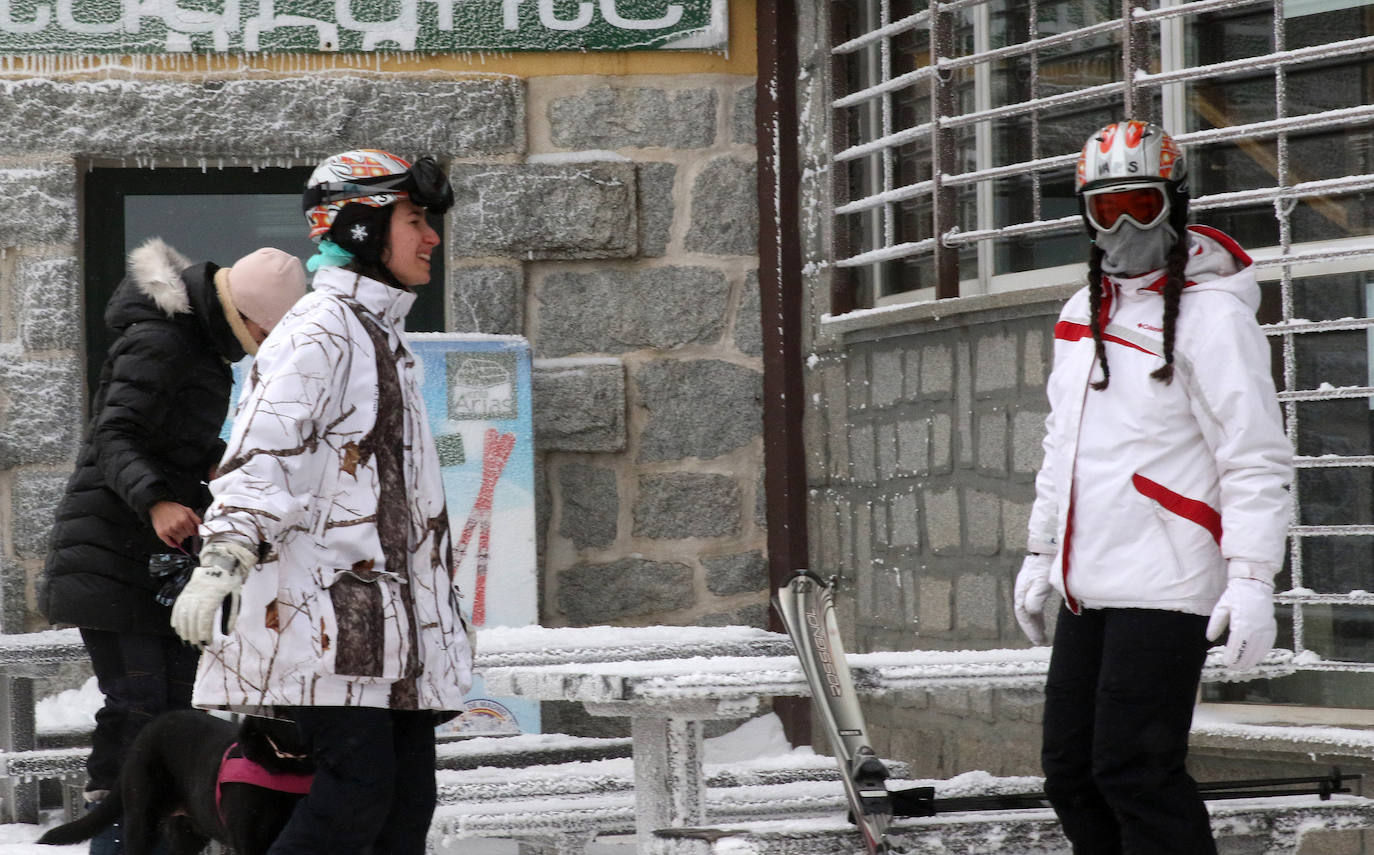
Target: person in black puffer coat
[[140, 480]]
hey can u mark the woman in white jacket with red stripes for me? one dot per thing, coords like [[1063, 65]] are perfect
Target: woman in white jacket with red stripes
[[1162, 505]]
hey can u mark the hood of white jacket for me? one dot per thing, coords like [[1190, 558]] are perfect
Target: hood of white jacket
[[1215, 263]]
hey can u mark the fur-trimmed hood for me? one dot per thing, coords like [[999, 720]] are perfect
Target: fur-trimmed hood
[[155, 267], [165, 285]]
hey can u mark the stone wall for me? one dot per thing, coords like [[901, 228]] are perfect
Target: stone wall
[[611, 220], [920, 497], [659, 519]]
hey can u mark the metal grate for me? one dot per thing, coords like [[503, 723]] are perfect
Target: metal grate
[[957, 128]]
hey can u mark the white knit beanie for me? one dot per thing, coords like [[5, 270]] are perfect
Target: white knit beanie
[[263, 286]]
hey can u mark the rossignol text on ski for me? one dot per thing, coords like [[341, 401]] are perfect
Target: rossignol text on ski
[[807, 606]]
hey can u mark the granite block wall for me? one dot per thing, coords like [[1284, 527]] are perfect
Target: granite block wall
[[920, 499], [611, 220], [661, 526]]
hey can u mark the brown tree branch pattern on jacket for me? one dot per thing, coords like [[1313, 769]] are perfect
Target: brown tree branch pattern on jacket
[[386, 443]]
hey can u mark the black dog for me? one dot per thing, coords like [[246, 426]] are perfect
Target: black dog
[[169, 782]]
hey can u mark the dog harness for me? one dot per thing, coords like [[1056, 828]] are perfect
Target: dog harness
[[234, 768]]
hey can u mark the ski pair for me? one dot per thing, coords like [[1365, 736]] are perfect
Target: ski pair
[[807, 606]]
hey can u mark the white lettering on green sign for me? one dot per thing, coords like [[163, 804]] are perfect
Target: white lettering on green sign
[[438, 26]]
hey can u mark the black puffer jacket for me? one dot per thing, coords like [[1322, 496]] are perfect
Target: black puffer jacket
[[153, 435]]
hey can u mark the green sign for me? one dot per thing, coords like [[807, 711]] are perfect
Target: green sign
[[312, 26]]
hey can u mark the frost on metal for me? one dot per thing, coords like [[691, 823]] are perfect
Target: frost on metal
[[49, 763], [301, 117], [35, 648], [537, 645], [725, 678]]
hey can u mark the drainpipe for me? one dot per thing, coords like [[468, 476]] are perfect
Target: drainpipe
[[781, 304]]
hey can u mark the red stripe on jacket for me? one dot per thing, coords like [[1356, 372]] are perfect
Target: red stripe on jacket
[[1190, 509], [1070, 331]]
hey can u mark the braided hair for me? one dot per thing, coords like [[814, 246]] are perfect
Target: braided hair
[[1175, 263], [1095, 313], [1174, 281]]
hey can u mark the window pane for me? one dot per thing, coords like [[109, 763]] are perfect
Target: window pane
[[1337, 496], [1323, 690], [197, 225]]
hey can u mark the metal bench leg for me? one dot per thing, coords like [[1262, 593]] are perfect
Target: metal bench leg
[[18, 733], [670, 789], [1285, 836], [73, 800]]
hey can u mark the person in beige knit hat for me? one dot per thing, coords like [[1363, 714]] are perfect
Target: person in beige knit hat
[[133, 504], [257, 291]]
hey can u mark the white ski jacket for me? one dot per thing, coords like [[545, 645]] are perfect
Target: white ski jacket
[[1148, 489], [331, 475]]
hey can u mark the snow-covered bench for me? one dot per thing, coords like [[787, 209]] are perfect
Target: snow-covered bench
[[1270, 826], [668, 700], [707, 655], [606, 777], [808, 818], [24, 657], [523, 750], [565, 825]]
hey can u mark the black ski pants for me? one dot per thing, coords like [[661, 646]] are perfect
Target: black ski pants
[[1118, 706], [141, 675], [374, 787]]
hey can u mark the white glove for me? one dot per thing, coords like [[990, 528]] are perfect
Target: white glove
[[1032, 589], [223, 567], [1248, 606]]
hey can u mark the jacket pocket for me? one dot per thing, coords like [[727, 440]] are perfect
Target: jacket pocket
[[1191, 531], [365, 623], [1193, 510]]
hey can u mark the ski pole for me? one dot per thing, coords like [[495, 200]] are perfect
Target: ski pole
[[1333, 781], [921, 801]]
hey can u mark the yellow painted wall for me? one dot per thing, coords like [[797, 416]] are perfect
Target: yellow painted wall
[[741, 58]]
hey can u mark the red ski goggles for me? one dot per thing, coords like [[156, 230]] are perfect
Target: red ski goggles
[[1146, 205]]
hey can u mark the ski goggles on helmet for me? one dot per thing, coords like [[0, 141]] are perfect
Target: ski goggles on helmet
[[1146, 205], [424, 184]]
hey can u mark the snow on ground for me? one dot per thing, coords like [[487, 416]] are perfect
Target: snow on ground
[[19, 840], [756, 738], [71, 710]]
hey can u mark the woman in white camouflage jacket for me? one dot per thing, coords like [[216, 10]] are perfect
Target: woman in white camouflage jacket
[[329, 534]]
